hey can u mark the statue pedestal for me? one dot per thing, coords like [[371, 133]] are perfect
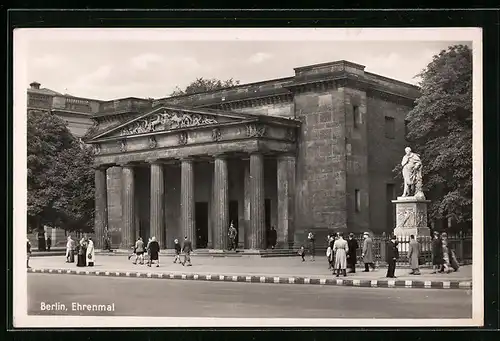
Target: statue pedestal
[[411, 217]]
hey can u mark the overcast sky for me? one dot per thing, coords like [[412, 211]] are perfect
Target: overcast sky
[[116, 69]]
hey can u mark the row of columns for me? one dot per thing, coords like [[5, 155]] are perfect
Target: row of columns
[[254, 187]]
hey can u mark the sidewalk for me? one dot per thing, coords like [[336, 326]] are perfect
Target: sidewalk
[[256, 269]]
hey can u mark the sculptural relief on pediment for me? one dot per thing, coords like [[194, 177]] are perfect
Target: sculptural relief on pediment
[[167, 120]]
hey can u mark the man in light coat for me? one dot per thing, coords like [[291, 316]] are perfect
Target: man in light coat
[[367, 252], [413, 255], [341, 248]]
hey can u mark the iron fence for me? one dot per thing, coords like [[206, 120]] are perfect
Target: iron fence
[[460, 243]]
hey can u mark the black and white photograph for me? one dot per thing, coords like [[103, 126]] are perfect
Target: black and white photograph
[[248, 177]]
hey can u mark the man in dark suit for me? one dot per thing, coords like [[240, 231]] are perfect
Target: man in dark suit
[[392, 254], [352, 243], [187, 247]]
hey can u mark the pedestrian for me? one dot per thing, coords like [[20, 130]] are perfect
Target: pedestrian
[[41, 240], [133, 254], [341, 248], [82, 252], [232, 233], [353, 245], [273, 237], [367, 252], [49, 243], [153, 251], [437, 253], [107, 244], [28, 253], [139, 251], [302, 253], [446, 253], [187, 248], [90, 253], [312, 246], [392, 255], [177, 248], [70, 245], [329, 251], [413, 255], [147, 253]]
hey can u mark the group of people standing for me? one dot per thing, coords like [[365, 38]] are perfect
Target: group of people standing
[[342, 254], [443, 257], [84, 250]]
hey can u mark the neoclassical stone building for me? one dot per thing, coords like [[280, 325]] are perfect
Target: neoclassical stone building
[[310, 152]]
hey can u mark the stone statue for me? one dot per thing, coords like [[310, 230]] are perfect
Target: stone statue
[[412, 174]]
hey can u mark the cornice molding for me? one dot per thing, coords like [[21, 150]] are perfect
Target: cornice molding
[[251, 102]]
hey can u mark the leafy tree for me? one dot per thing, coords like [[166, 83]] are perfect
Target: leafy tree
[[440, 130], [203, 85], [60, 178]]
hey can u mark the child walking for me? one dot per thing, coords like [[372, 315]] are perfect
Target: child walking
[[177, 248], [302, 253]]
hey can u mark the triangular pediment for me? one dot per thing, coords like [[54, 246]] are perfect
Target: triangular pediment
[[169, 118]]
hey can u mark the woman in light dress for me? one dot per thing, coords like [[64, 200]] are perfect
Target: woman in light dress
[[90, 253], [340, 248]]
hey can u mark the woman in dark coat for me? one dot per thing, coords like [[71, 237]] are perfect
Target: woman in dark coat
[[437, 253], [154, 250], [82, 253]]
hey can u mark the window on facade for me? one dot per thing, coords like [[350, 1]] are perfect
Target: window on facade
[[356, 116], [357, 200], [390, 128], [406, 128]]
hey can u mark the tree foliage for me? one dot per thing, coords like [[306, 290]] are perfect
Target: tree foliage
[[60, 177], [203, 85], [440, 130]]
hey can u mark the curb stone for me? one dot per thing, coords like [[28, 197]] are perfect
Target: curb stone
[[366, 283]]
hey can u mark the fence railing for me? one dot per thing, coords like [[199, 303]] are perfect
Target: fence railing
[[460, 243]]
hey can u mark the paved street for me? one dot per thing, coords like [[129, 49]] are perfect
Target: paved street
[[153, 297]]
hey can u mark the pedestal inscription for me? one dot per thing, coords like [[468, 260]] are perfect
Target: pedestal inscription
[[411, 217]]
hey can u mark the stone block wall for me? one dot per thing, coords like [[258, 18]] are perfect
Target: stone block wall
[[384, 155], [357, 160], [321, 161], [275, 109]]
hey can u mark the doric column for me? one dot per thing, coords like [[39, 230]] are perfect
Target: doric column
[[221, 203], [286, 203], [157, 213], [246, 202], [128, 206], [257, 207], [101, 206], [211, 207], [187, 200]]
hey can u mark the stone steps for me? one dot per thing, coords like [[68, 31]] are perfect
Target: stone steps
[[215, 253]]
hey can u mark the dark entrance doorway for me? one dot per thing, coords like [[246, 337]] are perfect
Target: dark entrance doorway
[[201, 223], [233, 217], [267, 219]]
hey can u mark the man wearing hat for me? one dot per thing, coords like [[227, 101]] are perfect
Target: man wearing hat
[[367, 252], [187, 248], [437, 252], [351, 254], [392, 254]]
